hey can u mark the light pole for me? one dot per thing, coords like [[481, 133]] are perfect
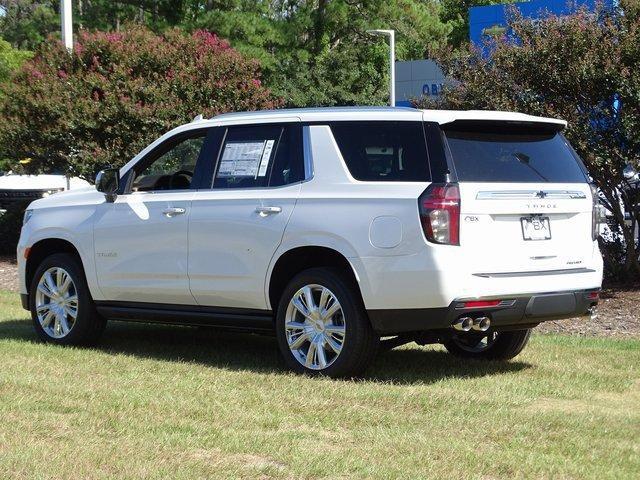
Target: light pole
[[66, 24], [392, 62]]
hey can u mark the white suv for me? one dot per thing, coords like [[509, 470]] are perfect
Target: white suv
[[332, 228]]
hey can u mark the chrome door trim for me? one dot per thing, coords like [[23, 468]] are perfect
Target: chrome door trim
[[174, 211], [266, 211]]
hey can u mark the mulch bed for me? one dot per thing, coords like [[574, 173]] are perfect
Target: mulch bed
[[8, 274], [617, 316], [617, 312]]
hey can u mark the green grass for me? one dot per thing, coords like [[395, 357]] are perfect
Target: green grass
[[170, 402]]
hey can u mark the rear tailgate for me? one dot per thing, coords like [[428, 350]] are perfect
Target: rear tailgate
[[507, 229], [526, 205]]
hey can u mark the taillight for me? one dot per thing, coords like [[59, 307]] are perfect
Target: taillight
[[440, 213]]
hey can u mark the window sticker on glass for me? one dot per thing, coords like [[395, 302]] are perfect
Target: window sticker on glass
[[266, 155], [245, 159]]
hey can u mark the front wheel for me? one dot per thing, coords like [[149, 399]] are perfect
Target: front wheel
[[61, 305], [490, 345], [322, 326]]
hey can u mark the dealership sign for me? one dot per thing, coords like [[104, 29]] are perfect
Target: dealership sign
[[417, 78]]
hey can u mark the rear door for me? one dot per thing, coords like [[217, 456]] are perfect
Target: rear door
[[526, 205], [238, 221]]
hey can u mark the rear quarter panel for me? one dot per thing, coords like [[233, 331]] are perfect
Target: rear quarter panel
[[375, 225]]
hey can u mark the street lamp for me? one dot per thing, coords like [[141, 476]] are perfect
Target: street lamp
[[66, 24], [392, 62]]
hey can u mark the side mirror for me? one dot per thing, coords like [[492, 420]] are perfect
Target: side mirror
[[108, 182]]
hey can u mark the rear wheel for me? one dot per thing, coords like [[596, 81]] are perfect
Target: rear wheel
[[61, 306], [489, 345], [322, 326]]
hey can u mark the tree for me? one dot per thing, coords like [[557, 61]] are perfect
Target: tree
[[318, 52], [335, 62], [116, 93], [10, 60], [584, 68], [26, 23], [312, 52]]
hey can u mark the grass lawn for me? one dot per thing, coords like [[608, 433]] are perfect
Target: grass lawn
[[170, 402]]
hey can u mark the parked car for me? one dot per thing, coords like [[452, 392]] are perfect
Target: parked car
[[332, 228], [21, 189]]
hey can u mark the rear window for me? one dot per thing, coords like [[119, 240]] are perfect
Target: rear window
[[507, 154], [383, 151]]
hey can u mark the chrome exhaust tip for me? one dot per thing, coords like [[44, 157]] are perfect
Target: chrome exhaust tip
[[463, 324], [481, 324]]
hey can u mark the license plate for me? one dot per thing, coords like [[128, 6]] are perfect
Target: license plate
[[535, 228]]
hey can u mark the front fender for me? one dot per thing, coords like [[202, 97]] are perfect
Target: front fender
[[71, 224]]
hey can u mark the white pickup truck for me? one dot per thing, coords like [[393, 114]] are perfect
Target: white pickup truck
[[16, 189]]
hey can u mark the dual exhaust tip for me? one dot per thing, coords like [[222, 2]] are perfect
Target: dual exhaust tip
[[466, 324]]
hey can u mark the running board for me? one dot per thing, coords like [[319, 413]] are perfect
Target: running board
[[193, 315]]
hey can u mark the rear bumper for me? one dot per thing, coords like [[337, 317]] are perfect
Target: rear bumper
[[435, 277], [524, 311]]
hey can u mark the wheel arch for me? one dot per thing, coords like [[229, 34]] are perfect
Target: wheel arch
[[298, 259], [44, 248]]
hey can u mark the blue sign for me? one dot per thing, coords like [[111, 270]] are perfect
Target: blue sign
[[491, 20]]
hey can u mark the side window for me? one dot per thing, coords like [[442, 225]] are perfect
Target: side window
[[288, 164], [383, 151], [260, 156], [173, 169]]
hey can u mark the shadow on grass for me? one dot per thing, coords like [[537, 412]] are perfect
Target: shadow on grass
[[257, 353]]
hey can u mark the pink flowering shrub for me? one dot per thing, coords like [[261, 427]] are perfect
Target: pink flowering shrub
[[116, 93]]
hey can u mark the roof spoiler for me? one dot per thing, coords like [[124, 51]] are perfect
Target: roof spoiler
[[504, 125]]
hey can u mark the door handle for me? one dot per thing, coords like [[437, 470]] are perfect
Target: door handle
[[173, 211], [266, 211]]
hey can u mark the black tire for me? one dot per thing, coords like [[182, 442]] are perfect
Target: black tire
[[506, 346], [360, 340], [88, 325]]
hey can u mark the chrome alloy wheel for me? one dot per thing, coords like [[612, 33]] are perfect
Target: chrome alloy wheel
[[315, 327], [56, 302], [475, 343]]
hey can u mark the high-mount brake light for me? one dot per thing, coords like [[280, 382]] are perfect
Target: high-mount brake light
[[440, 213]]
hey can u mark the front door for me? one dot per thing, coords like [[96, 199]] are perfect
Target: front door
[[140, 240]]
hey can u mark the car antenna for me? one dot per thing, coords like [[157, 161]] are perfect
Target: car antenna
[[197, 118]]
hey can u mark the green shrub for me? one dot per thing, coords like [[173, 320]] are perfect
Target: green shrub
[[10, 59]]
